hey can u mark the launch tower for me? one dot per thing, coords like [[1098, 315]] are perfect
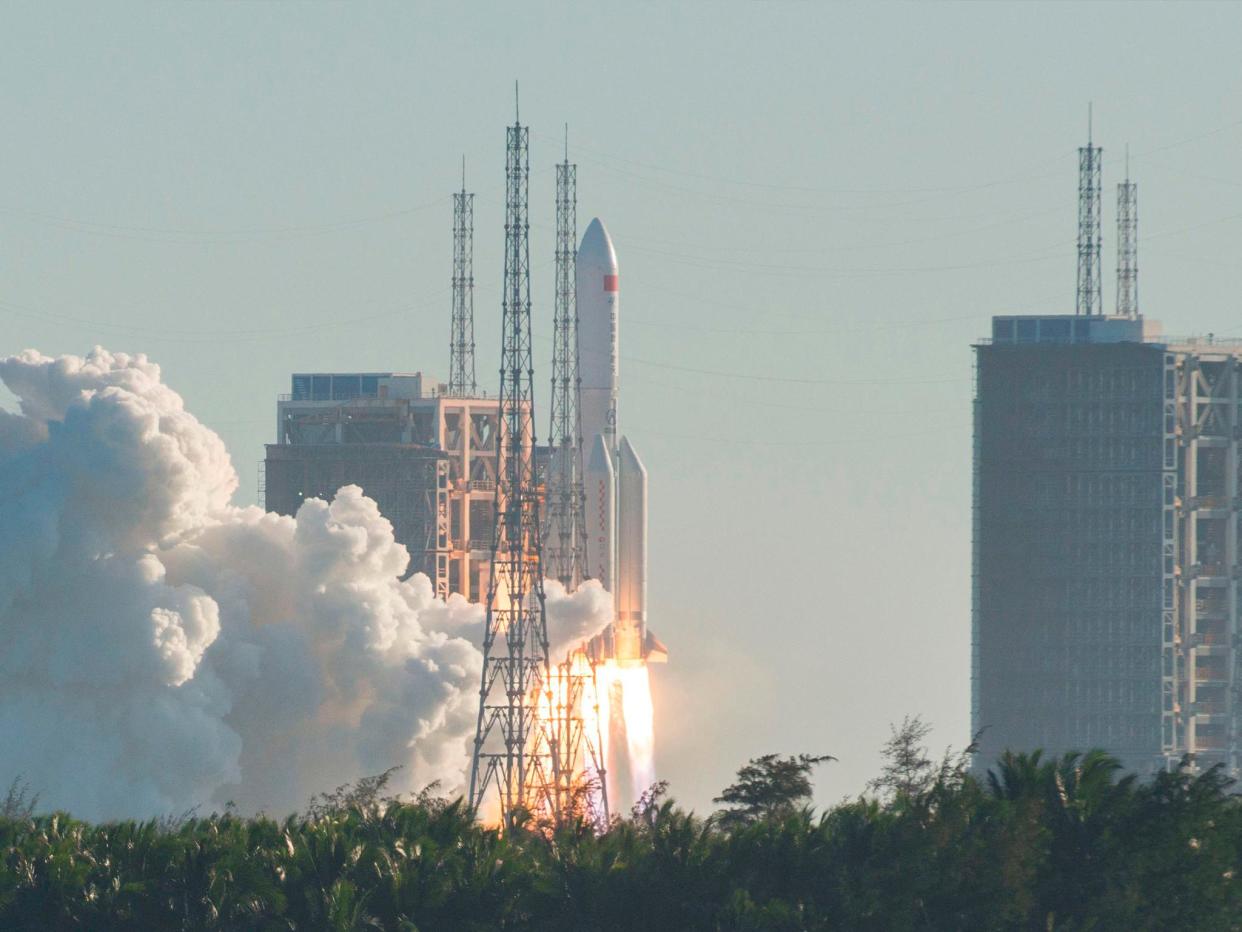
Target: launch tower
[[565, 531], [461, 344], [513, 758]]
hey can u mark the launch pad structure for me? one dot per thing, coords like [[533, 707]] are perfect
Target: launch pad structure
[[537, 745], [565, 535], [484, 510]]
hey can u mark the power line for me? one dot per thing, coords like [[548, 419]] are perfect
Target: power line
[[786, 380], [771, 268], [806, 189], [833, 442], [206, 336], [180, 233]]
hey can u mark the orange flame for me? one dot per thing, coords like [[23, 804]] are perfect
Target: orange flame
[[628, 724]]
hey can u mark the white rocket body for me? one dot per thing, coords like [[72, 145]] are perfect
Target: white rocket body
[[600, 482], [615, 479]]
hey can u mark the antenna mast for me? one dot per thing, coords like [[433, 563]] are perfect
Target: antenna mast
[[515, 760], [1089, 300], [1127, 245], [461, 344]]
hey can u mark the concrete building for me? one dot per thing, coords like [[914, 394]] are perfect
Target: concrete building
[[427, 459], [1106, 541]]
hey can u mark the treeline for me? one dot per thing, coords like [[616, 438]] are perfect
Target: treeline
[[1059, 844]]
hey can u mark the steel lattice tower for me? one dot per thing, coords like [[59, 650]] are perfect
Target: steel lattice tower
[[581, 787], [514, 756], [565, 536], [1127, 246], [580, 752], [1089, 241], [461, 342]]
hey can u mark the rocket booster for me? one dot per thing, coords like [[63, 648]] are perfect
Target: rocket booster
[[615, 478], [599, 293]]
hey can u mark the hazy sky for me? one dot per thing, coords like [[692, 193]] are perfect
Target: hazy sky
[[815, 209]]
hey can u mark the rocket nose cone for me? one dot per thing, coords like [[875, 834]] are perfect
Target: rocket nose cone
[[596, 247], [629, 458]]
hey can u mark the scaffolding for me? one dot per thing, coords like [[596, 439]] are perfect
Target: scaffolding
[[1206, 675]]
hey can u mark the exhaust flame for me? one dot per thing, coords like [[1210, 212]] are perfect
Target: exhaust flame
[[569, 712], [628, 718], [614, 760]]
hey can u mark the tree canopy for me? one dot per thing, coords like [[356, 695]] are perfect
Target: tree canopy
[[1042, 842], [768, 787]]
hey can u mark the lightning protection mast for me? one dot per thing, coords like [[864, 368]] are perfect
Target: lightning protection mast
[[461, 344], [581, 786], [514, 760], [1089, 297], [565, 536], [1127, 246]]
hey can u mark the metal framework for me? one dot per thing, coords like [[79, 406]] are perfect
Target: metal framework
[[515, 759], [1089, 300], [1127, 246], [565, 532], [1171, 734], [1204, 675], [582, 785], [461, 343]]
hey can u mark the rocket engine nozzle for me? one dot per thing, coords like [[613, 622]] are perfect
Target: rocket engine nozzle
[[626, 646]]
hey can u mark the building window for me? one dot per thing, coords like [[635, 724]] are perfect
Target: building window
[[345, 387]]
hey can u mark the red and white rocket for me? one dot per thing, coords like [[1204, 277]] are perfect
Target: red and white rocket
[[615, 478]]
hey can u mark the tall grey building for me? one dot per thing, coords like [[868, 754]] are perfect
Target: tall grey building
[[1106, 539]]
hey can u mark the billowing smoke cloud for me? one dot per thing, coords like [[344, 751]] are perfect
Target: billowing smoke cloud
[[164, 649], [575, 617]]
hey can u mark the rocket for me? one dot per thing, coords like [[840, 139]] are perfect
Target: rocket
[[614, 477]]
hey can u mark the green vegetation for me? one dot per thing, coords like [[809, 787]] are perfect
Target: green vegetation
[[1058, 844]]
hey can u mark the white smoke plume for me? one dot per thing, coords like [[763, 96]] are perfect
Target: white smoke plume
[[164, 649], [575, 617]]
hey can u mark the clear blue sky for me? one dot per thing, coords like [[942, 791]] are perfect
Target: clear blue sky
[[815, 207]]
